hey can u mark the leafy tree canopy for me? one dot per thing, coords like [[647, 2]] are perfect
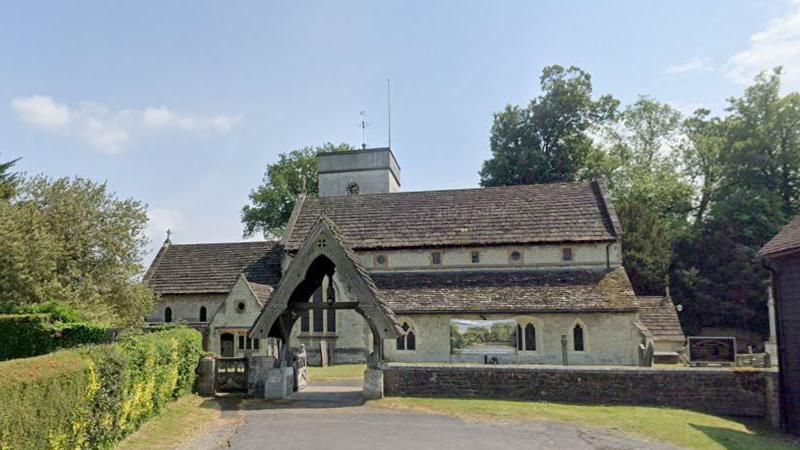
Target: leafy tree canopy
[[272, 202], [697, 196], [8, 179], [70, 240], [548, 140]]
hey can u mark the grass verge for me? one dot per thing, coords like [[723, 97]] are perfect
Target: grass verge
[[337, 373], [684, 428], [176, 424]]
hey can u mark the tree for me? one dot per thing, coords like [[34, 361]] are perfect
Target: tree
[[748, 164], [71, 240], [8, 180], [638, 161], [701, 157], [548, 140], [272, 202]]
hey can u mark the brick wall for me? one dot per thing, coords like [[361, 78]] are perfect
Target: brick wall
[[716, 391]]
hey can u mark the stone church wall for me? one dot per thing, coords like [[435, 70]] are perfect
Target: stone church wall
[[586, 256], [185, 307], [609, 338]]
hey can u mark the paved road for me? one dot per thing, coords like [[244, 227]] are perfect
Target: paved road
[[332, 416]]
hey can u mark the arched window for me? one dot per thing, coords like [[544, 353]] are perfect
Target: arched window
[[407, 341], [577, 338], [519, 337], [203, 314], [530, 337], [168, 314]]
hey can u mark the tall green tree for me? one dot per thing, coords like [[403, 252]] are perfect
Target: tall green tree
[[8, 179], [272, 202], [71, 240], [650, 195], [701, 159], [749, 164], [549, 139]]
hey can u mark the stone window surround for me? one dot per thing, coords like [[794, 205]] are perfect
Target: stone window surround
[[521, 256], [412, 328], [377, 264], [538, 325], [571, 335], [473, 256], [436, 258]]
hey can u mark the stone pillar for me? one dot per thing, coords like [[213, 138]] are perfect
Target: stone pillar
[[373, 384], [257, 367], [205, 376], [279, 383], [772, 401], [771, 346]]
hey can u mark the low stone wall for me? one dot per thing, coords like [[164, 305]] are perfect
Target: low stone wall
[[748, 393]]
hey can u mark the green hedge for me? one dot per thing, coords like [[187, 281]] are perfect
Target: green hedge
[[93, 397], [25, 335]]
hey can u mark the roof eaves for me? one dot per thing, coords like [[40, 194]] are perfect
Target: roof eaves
[[298, 205], [778, 253], [607, 207], [154, 265]]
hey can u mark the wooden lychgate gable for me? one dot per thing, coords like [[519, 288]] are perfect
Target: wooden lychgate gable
[[323, 251]]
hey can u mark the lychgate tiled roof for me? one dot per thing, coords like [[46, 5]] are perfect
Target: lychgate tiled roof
[[658, 314], [786, 241], [506, 291], [213, 268], [557, 212]]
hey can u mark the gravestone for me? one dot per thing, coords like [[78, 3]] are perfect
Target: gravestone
[[279, 383], [712, 350], [323, 353]]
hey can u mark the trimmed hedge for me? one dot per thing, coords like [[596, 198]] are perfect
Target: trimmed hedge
[[25, 335], [93, 397]]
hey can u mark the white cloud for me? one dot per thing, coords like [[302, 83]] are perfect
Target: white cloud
[[111, 131], [777, 45], [108, 138], [163, 117], [695, 65], [42, 111]]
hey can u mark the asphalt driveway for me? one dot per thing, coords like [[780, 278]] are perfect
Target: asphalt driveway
[[333, 416]]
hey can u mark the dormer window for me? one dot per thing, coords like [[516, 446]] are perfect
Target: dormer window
[[436, 258], [475, 256], [567, 254], [381, 261]]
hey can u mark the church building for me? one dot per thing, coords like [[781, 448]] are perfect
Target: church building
[[364, 268]]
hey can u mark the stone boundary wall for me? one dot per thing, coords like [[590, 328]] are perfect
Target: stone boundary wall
[[749, 393]]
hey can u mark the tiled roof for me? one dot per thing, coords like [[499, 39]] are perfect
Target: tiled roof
[[213, 268], [658, 314], [261, 292], [506, 291], [787, 240], [557, 212]]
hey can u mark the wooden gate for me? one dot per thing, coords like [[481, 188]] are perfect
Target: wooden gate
[[231, 375]]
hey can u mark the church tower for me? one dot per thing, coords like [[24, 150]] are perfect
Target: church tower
[[368, 171]]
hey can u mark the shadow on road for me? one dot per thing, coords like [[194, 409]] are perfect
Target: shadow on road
[[319, 395]]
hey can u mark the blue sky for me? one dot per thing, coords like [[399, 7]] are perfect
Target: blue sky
[[182, 104]]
